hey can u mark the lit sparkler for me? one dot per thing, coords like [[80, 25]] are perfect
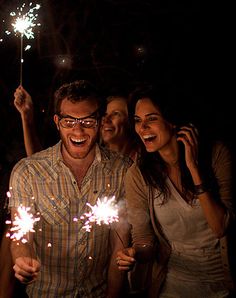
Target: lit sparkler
[[104, 212], [22, 224], [24, 23]]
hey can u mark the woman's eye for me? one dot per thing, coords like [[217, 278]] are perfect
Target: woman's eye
[[116, 113], [150, 119]]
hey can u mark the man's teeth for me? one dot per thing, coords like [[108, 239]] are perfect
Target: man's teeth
[[78, 140]]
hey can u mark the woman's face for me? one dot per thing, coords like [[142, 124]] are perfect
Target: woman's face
[[114, 123], [155, 132]]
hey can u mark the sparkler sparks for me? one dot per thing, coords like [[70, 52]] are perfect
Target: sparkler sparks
[[104, 212], [24, 21], [22, 224]]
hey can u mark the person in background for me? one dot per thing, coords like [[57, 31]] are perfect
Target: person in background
[[10, 287], [62, 259], [179, 204], [116, 133]]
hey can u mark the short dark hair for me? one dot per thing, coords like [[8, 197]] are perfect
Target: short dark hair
[[77, 91]]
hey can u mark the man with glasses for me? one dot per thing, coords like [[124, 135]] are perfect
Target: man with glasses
[[60, 258]]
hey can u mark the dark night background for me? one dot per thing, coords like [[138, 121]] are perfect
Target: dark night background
[[183, 46]]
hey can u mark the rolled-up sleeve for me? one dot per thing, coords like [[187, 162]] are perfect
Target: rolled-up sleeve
[[137, 207]]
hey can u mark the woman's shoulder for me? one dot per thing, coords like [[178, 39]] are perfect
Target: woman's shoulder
[[134, 168], [134, 173]]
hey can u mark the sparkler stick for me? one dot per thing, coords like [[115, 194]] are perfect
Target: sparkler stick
[[104, 212], [24, 24], [118, 235], [21, 58]]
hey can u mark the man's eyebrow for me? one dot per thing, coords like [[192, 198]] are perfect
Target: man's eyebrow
[[80, 118]]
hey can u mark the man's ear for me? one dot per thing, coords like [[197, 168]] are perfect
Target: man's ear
[[56, 121]]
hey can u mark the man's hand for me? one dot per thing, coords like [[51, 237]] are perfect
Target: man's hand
[[26, 269]]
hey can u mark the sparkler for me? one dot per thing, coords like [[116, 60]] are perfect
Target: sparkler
[[104, 212], [22, 224], [24, 22]]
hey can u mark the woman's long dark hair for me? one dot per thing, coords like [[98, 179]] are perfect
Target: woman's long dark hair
[[152, 166]]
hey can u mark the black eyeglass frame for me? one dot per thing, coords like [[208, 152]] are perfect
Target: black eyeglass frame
[[81, 121]]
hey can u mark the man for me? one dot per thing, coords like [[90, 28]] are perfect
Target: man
[[62, 259]]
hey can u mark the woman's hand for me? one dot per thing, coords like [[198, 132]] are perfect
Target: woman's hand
[[125, 259], [188, 135], [23, 101]]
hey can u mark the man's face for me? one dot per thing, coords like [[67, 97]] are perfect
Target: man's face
[[78, 136]]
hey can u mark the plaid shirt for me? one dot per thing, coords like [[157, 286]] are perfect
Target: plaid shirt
[[76, 263]]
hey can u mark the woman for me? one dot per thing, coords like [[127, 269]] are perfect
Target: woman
[[179, 204], [115, 130]]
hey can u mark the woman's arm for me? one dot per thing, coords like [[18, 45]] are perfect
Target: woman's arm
[[23, 103]]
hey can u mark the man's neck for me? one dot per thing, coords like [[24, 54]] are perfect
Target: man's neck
[[79, 166]]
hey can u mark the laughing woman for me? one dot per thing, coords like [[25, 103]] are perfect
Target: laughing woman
[[179, 204]]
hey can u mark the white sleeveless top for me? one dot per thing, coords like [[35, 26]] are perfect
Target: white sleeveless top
[[195, 249]]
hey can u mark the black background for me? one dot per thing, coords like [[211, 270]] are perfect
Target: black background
[[184, 46]]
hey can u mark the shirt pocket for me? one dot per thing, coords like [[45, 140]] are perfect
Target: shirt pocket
[[54, 209]]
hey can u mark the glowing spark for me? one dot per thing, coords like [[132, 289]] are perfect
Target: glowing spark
[[27, 47], [104, 212], [24, 22], [23, 223]]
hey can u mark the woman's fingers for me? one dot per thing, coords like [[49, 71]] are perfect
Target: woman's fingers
[[189, 134]]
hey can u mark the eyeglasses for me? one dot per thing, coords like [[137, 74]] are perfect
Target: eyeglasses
[[67, 121]]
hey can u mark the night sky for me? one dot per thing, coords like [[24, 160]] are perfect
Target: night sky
[[184, 46]]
